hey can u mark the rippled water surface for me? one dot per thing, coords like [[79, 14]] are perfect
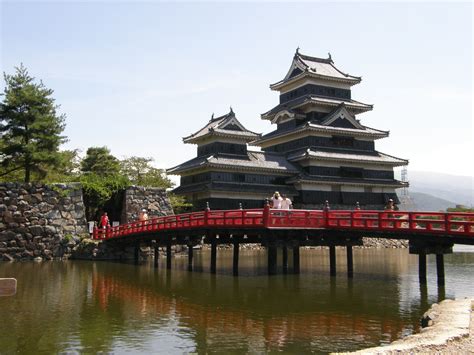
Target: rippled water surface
[[87, 307]]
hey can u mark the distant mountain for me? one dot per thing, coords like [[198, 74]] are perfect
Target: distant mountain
[[447, 189], [426, 202]]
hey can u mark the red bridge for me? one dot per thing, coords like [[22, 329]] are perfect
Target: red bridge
[[427, 233]]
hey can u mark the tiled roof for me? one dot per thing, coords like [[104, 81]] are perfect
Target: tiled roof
[[253, 160], [366, 131], [235, 187], [324, 67], [218, 126], [377, 157], [326, 101], [343, 180], [319, 67]]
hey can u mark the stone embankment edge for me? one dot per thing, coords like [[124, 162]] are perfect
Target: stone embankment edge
[[451, 322]]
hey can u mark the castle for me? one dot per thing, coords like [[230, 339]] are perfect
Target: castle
[[318, 152]]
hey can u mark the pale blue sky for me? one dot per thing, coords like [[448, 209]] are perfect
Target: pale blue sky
[[139, 76]]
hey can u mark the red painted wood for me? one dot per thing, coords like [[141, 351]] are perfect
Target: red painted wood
[[407, 222]]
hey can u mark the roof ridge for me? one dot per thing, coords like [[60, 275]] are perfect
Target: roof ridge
[[314, 59]]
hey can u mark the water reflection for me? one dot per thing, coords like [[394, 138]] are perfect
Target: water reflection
[[111, 307]]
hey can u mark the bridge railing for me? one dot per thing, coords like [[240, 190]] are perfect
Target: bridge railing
[[433, 222], [400, 221], [296, 219]]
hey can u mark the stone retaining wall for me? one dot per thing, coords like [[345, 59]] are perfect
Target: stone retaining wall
[[153, 199], [40, 221]]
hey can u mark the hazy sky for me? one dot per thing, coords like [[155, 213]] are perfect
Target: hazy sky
[[139, 76]]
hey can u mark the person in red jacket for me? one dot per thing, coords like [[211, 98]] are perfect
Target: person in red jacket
[[104, 221]]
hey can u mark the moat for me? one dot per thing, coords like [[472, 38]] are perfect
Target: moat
[[88, 307]]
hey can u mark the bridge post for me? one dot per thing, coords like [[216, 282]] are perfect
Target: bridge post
[[168, 255], [235, 263], [213, 255], [284, 249], [440, 268], [422, 267], [296, 258], [350, 263], [332, 260], [190, 257], [266, 214], [272, 258], [156, 251]]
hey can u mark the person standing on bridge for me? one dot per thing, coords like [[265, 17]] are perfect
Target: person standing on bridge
[[143, 216], [276, 200], [104, 222], [286, 203]]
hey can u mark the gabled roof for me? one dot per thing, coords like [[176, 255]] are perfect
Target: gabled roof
[[257, 161], [351, 106], [341, 117], [325, 155], [305, 65], [226, 126]]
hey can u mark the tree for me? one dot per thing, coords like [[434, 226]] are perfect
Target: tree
[[67, 168], [140, 172], [30, 127], [99, 161]]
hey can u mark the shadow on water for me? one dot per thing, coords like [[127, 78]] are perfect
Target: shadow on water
[[116, 307]]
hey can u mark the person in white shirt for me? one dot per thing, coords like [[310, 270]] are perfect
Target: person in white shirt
[[286, 203], [276, 200]]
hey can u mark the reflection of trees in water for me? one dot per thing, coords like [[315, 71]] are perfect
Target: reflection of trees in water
[[263, 314], [89, 307]]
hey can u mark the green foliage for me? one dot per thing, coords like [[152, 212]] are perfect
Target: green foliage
[[98, 190], [30, 128], [179, 204], [140, 172], [460, 209], [99, 161]]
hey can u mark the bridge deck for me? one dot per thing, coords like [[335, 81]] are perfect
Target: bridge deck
[[402, 224]]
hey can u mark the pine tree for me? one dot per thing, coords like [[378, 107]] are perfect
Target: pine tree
[[98, 160], [30, 127]]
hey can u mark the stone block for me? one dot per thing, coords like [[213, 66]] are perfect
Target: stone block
[[36, 230], [54, 214], [50, 230], [8, 257], [7, 235]]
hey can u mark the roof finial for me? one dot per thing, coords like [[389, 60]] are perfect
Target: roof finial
[[329, 56], [231, 111], [298, 50], [212, 116]]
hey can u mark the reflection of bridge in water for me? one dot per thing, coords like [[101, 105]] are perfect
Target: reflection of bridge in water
[[247, 310], [427, 232]]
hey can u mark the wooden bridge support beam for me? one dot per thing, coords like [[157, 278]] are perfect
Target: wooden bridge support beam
[[213, 256], [235, 260], [156, 252], [440, 268], [190, 257], [272, 259], [168, 256], [136, 254], [350, 262], [296, 259], [422, 267], [332, 260], [284, 249], [422, 249]]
